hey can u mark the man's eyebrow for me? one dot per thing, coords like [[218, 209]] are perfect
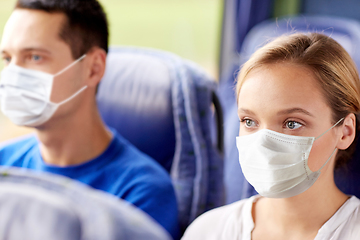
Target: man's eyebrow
[[29, 50], [35, 49], [295, 110]]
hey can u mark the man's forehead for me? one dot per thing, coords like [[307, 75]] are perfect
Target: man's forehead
[[31, 16], [27, 28]]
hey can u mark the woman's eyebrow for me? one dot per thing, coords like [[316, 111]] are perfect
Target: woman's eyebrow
[[246, 111], [295, 110]]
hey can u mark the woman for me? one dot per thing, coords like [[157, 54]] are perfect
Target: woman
[[298, 97]]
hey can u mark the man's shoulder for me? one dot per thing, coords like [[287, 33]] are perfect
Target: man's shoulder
[[14, 149], [23, 142], [19, 142], [140, 180], [135, 161], [127, 169]]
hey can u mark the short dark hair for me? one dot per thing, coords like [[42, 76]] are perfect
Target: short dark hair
[[86, 25]]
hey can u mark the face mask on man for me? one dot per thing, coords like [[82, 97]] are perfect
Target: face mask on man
[[25, 95], [276, 164]]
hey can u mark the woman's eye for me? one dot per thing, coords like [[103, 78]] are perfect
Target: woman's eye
[[293, 125], [249, 123]]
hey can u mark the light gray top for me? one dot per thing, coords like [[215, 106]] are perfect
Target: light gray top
[[235, 222]]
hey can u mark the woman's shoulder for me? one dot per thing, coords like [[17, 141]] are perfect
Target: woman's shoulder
[[350, 212], [226, 222], [351, 225], [345, 222]]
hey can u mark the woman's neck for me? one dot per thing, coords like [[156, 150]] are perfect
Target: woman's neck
[[299, 217]]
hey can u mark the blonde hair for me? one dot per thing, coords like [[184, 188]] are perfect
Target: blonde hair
[[332, 66]]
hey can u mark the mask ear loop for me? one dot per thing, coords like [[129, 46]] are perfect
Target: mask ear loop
[[327, 160], [74, 95], [72, 64], [334, 149], [81, 89], [330, 128]]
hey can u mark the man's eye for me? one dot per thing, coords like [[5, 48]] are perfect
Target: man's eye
[[36, 57], [293, 125], [6, 60]]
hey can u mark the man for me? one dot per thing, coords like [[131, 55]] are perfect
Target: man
[[55, 54]]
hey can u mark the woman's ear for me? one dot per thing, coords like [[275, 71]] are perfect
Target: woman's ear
[[347, 132]]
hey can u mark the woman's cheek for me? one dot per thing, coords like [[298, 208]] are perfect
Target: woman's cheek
[[320, 153]]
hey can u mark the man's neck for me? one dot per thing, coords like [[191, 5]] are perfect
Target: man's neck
[[74, 141]]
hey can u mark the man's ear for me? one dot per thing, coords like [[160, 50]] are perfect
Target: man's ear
[[347, 132], [96, 58]]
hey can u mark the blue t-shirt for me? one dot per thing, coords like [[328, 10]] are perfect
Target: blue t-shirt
[[121, 170]]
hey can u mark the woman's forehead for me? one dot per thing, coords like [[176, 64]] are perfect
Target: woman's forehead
[[281, 86]]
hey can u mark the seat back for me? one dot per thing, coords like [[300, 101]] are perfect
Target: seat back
[[347, 33], [343, 8], [46, 206], [163, 105], [344, 31]]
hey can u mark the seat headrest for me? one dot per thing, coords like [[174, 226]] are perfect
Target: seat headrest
[[134, 97], [345, 31]]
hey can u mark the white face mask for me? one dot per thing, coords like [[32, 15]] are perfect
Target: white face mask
[[25, 95], [276, 164]]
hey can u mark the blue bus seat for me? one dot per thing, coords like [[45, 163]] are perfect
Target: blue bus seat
[[164, 106], [347, 33], [335, 8], [37, 205], [344, 31]]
